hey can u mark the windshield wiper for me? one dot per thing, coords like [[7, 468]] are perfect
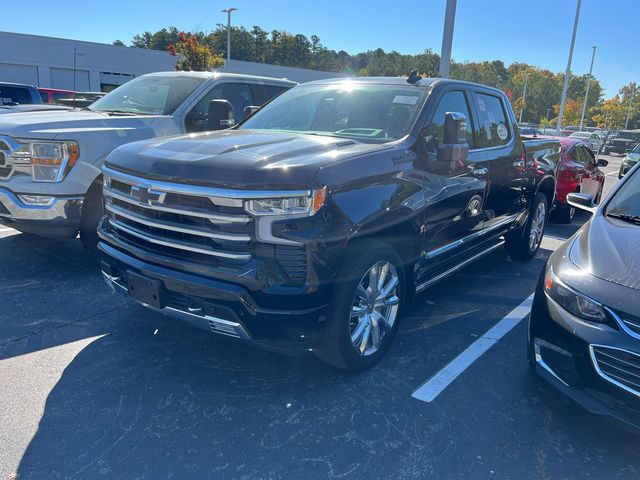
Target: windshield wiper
[[121, 112], [635, 219]]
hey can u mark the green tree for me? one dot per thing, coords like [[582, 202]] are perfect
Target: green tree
[[193, 55]]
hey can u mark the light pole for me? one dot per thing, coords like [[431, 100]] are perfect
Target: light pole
[[228, 12], [447, 38], [567, 73], [524, 96], [586, 95], [631, 94]]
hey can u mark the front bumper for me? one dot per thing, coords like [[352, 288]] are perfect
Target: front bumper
[[562, 350], [59, 217], [220, 306]]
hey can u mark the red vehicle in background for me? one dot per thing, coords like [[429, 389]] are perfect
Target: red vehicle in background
[[54, 95], [579, 173]]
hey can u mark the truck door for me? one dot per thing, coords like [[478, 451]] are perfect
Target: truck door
[[505, 162], [454, 194]]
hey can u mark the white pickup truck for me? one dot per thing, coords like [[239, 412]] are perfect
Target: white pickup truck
[[50, 161]]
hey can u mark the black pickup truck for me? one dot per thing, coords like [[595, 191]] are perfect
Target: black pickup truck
[[309, 225]]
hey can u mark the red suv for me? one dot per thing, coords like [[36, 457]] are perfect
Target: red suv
[[579, 172], [53, 95]]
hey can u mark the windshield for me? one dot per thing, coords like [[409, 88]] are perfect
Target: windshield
[[368, 113], [153, 95], [581, 135], [626, 201], [636, 149]]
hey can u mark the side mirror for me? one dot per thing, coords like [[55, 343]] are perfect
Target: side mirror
[[221, 115], [249, 110], [583, 201], [602, 162], [454, 150]]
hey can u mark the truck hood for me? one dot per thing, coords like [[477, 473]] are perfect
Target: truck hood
[[68, 124], [608, 249], [237, 158]]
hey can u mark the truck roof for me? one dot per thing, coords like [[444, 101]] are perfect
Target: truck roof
[[424, 82], [215, 74]]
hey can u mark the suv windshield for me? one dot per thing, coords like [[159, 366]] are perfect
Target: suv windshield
[[367, 113], [153, 95], [626, 202]]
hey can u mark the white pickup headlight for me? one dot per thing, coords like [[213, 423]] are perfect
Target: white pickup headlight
[[45, 161], [299, 206]]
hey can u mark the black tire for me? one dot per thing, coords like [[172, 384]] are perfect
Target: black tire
[[92, 212], [518, 242], [564, 214], [336, 347], [599, 196]]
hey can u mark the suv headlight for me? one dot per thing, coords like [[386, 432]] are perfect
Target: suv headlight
[[45, 161], [573, 301], [301, 206]]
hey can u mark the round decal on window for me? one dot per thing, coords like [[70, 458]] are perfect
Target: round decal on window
[[503, 133]]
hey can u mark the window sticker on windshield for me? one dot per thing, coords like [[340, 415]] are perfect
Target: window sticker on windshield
[[405, 100], [481, 105]]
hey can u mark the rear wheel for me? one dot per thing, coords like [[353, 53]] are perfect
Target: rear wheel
[[523, 244], [363, 313], [564, 214], [92, 212]]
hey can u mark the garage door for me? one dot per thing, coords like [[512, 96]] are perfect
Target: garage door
[[63, 78], [18, 73]]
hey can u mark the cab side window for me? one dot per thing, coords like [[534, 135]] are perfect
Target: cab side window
[[263, 93], [493, 129], [238, 94], [453, 101]]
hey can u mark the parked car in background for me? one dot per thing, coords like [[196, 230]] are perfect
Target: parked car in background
[[50, 179], [592, 139], [584, 328], [629, 161], [622, 142], [307, 227], [530, 130], [54, 95], [18, 94], [569, 129], [550, 131], [578, 172]]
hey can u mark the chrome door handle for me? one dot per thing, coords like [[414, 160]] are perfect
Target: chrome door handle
[[518, 164], [480, 171]]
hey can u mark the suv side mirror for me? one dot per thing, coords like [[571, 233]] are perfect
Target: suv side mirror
[[583, 201], [602, 162], [249, 110], [455, 147], [221, 115]]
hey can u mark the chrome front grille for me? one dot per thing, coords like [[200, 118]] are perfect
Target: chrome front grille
[[178, 219], [6, 169], [619, 367]]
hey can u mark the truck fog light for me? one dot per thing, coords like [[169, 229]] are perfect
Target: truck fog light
[[39, 200]]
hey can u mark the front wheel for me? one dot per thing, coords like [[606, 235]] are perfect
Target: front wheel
[[363, 313], [523, 244], [564, 214]]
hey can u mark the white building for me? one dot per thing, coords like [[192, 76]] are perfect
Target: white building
[[49, 62]]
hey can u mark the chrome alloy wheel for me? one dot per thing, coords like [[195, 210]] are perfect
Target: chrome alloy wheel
[[374, 308], [537, 226]]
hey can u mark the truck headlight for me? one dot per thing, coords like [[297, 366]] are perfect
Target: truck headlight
[[573, 301], [299, 206], [45, 161]]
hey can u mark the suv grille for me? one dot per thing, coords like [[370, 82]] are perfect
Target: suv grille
[[196, 224], [619, 367]]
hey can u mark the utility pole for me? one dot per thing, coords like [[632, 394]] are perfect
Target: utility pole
[[228, 12], [586, 95], [567, 73], [631, 95], [524, 96], [447, 38]]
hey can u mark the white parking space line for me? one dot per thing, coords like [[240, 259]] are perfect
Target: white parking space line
[[6, 229], [441, 380]]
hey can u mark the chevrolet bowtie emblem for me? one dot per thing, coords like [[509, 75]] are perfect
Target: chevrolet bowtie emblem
[[146, 194]]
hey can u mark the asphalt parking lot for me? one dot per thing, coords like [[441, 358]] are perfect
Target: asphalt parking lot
[[94, 386]]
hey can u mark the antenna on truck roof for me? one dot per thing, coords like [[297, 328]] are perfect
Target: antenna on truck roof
[[413, 77]]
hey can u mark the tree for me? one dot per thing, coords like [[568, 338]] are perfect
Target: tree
[[611, 114], [119, 43], [572, 112], [193, 55]]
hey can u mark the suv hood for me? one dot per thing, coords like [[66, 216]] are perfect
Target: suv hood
[[608, 249], [237, 158], [68, 124]]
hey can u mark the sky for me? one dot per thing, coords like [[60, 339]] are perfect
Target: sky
[[537, 32]]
